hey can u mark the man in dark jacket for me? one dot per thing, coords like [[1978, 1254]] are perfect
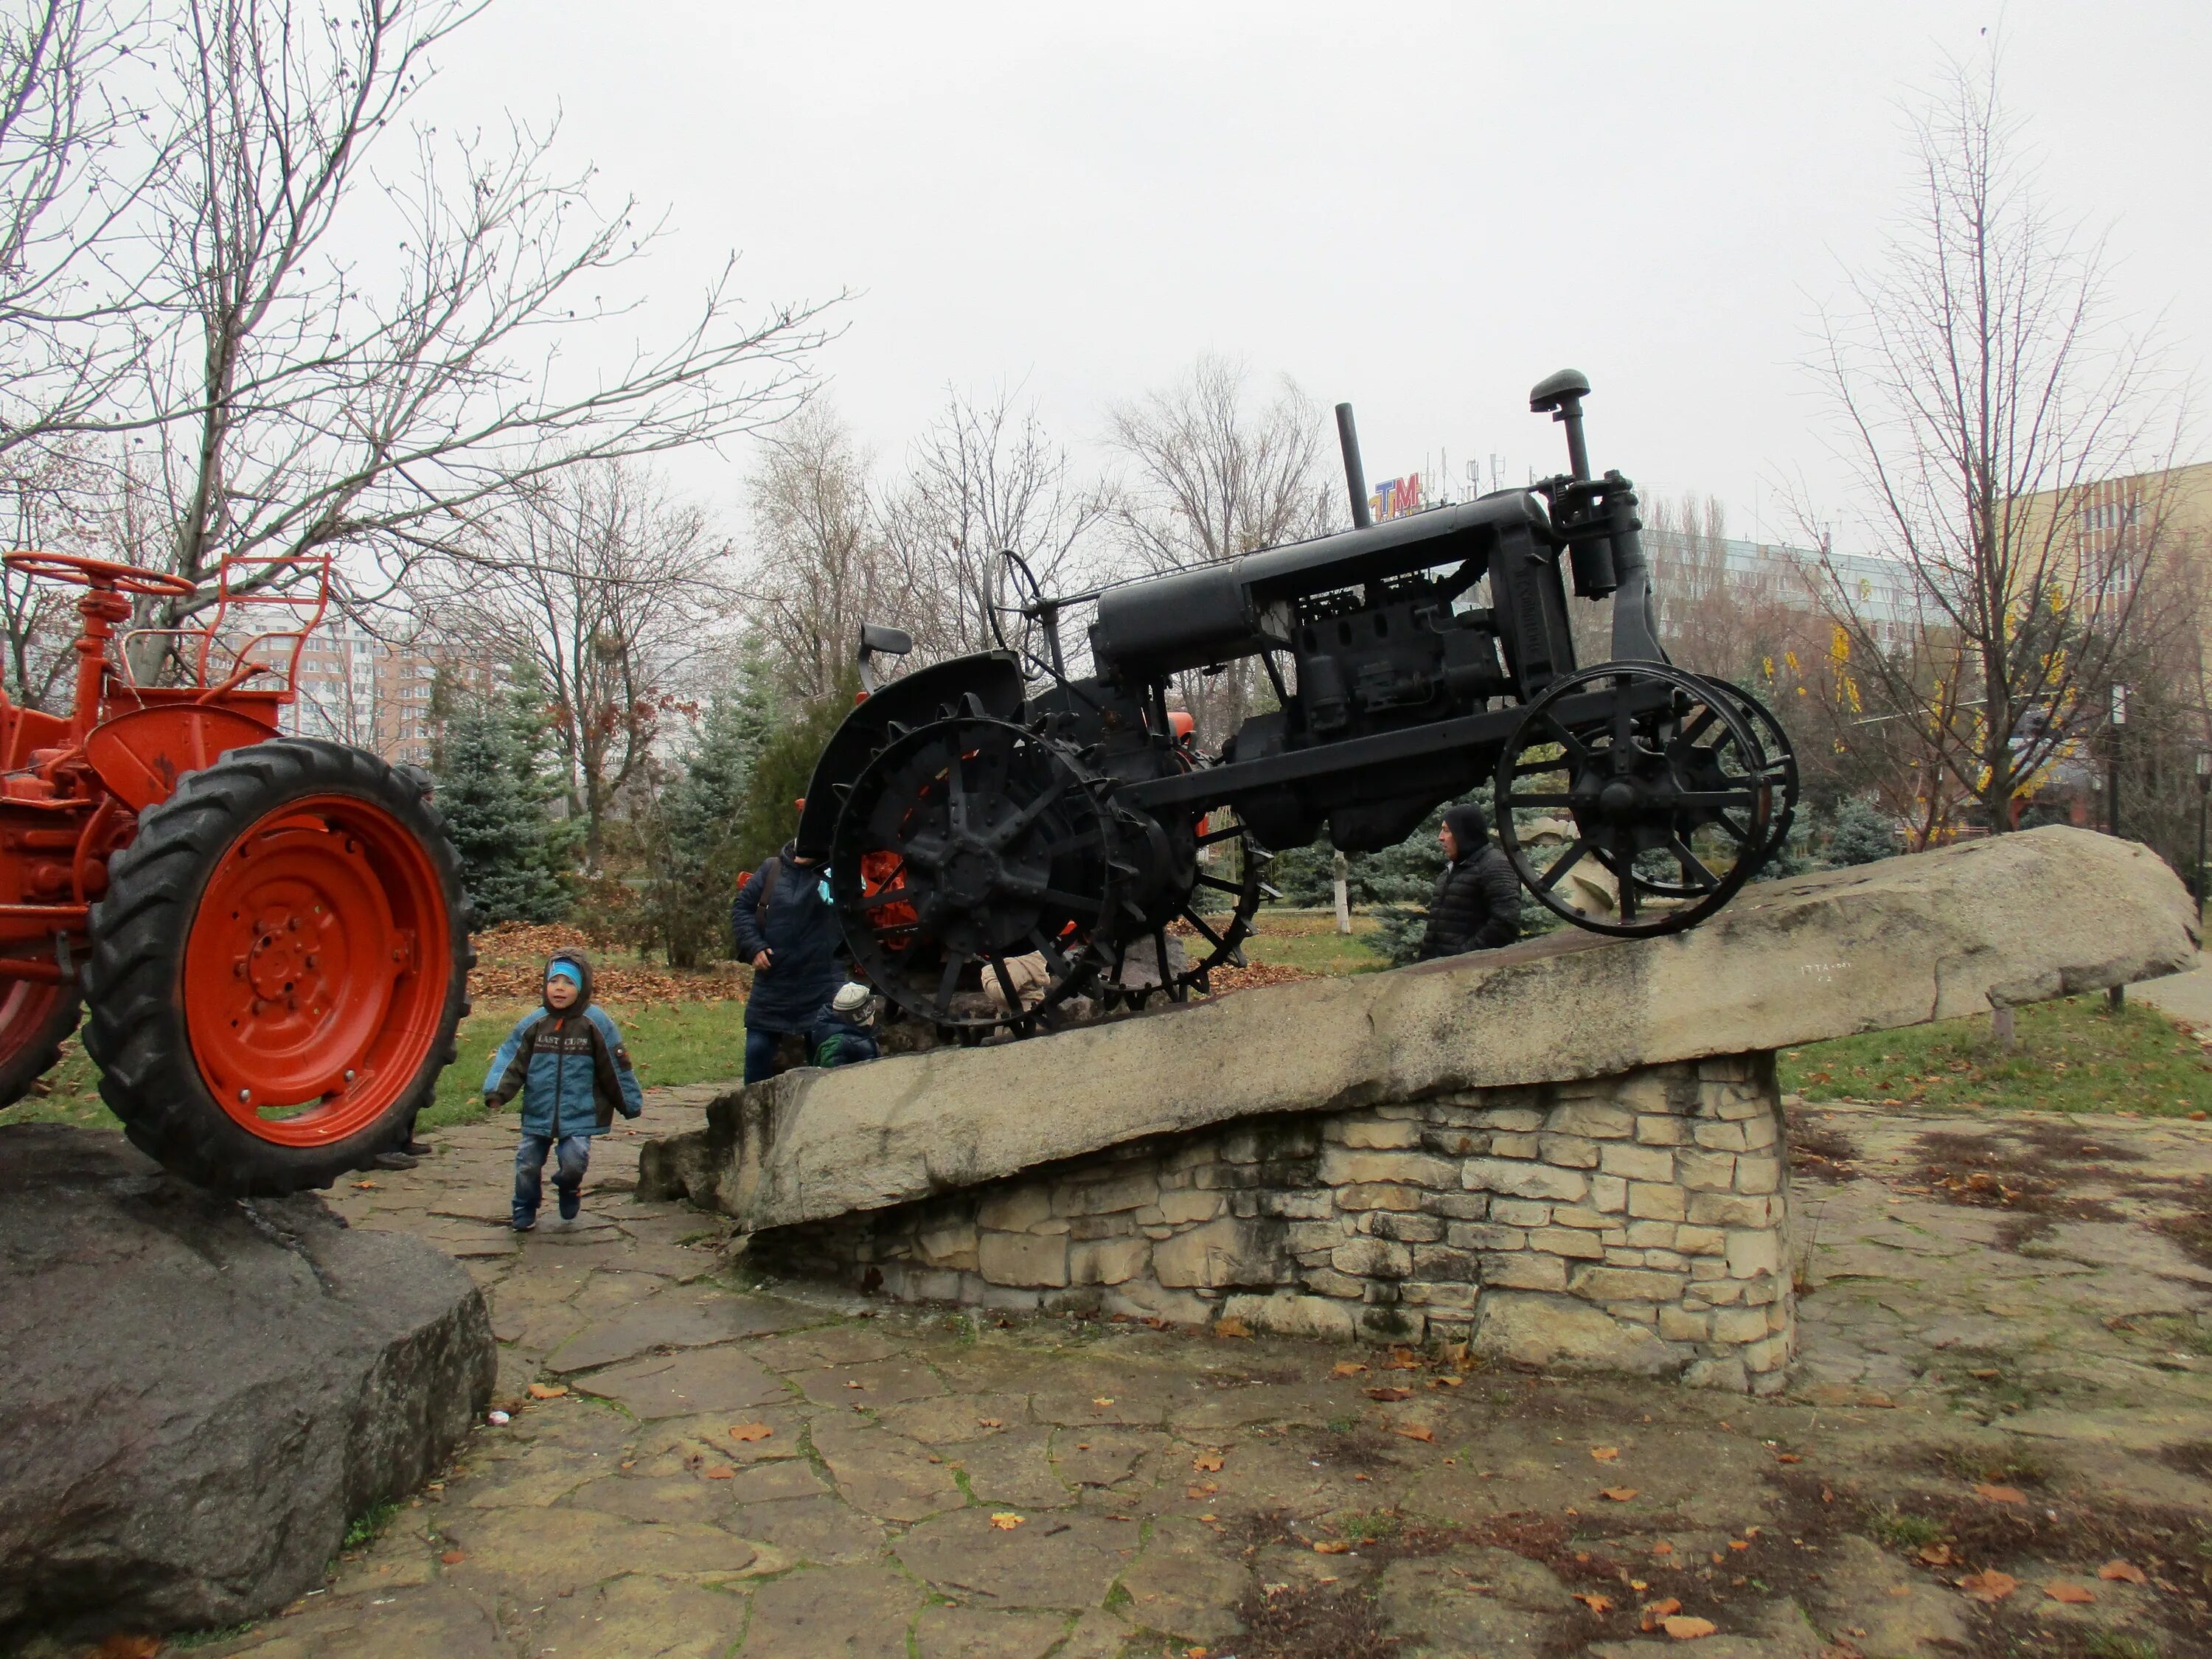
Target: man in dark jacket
[[783, 925], [1477, 903]]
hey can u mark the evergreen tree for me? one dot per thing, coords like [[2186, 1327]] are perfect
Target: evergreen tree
[[499, 833], [533, 738], [693, 863], [1860, 834]]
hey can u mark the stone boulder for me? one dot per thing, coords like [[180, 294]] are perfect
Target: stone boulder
[[198, 1395], [2014, 918]]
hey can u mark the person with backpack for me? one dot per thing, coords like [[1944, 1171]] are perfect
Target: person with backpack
[[568, 1062], [783, 925]]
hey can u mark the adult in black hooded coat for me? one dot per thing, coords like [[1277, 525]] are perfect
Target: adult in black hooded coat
[[1477, 903]]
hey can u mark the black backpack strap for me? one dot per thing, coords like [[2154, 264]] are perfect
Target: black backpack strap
[[770, 874]]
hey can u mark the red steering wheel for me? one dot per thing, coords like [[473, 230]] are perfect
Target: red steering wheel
[[106, 575]]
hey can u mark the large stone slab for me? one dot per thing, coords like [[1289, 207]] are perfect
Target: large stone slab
[[2011, 920], [198, 1395]]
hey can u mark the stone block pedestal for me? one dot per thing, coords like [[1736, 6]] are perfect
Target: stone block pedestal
[[1637, 1223]]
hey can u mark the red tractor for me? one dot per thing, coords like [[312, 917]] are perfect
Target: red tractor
[[269, 932]]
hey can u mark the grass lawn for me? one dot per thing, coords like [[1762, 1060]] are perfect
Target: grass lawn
[[672, 1044], [1307, 939], [2073, 1055]]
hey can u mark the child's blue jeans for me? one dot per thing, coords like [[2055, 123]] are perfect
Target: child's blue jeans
[[571, 1155]]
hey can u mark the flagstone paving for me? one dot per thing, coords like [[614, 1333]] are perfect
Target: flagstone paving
[[2005, 1379]]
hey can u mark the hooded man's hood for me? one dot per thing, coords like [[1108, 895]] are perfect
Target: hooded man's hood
[[582, 964], [1470, 827]]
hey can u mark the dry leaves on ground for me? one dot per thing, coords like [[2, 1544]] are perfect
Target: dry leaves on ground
[[1389, 1394], [1346, 1368], [1619, 1494], [750, 1431], [1649, 1615], [548, 1390], [1605, 1454], [1989, 1586], [1416, 1431], [1595, 1602], [2121, 1572], [722, 1472], [1684, 1629], [1983, 1489], [453, 1557], [1331, 1546], [1206, 1462], [128, 1647], [1006, 1520], [2075, 1595], [1231, 1326]]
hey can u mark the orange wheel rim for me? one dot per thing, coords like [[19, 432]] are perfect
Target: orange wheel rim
[[317, 970]]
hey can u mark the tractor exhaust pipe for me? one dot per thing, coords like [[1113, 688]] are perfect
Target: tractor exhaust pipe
[[1355, 475]]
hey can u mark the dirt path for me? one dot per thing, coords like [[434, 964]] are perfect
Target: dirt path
[[2005, 1380]]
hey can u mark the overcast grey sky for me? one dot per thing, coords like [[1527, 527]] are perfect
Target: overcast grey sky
[[1421, 208]]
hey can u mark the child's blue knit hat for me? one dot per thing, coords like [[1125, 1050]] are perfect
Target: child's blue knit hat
[[567, 970]]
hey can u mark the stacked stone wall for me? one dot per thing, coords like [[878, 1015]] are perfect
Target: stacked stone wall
[[1635, 1223]]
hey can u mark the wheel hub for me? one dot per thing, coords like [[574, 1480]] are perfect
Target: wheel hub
[[971, 876], [282, 967]]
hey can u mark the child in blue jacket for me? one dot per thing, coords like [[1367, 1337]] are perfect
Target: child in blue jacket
[[568, 1061]]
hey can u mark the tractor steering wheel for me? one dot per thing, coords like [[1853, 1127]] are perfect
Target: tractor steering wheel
[[105, 575]]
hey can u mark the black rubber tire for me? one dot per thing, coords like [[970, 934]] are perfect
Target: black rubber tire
[[32, 1054], [133, 982]]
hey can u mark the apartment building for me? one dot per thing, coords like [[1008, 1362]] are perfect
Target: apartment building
[[373, 693]]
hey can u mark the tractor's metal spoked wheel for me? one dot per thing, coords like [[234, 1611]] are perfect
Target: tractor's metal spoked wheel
[[1218, 913], [1669, 790], [970, 871], [1777, 771]]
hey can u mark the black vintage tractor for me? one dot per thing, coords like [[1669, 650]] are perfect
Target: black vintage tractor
[[997, 823]]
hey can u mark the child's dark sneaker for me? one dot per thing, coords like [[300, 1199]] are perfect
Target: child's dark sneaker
[[571, 1203], [523, 1224]]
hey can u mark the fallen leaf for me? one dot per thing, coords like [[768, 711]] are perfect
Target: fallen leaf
[[129, 1647], [1331, 1546], [1936, 1555], [1203, 1489], [548, 1390], [454, 1557], [1417, 1432], [1738, 1544], [1346, 1368], [722, 1472], [1990, 1586], [1999, 1494], [1447, 1381], [1389, 1394], [1006, 1520], [750, 1431], [1619, 1494], [1638, 1585], [1987, 1373], [1900, 1589], [1206, 1462], [364, 1186], [856, 1385], [1663, 1547], [1600, 1604], [1788, 1457], [1605, 1454], [1231, 1326], [991, 1422], [2120, 1572], [1402, 1359], [1684, 1629], [2075, 1595], [1652, 1613], [1103, 1400]]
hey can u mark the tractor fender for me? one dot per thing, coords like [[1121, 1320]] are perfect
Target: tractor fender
[[992, 678], [141, 755]]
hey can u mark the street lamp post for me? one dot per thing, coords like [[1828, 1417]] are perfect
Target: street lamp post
[[2117, 997], [2203, 797]]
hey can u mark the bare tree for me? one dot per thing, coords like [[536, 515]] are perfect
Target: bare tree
[[819, 567], [73, 165], [305, 401], [1213, 476], [1982, 391], [610, 585], [984, 478]]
